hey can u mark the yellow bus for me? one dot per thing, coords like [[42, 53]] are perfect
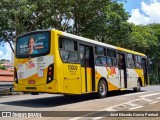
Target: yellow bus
[[52, 61]]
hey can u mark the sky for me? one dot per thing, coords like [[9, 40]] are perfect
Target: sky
[[142, 12], [5, 52]]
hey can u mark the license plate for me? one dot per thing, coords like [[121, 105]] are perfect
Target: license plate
[[31, 81]]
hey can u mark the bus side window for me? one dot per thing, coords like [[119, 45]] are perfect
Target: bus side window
[[82, 57], [73, 56], [109, 62], [130, 61], [111, 57], [88, 57], [120, 61], [69, 44], [68, 50], [138, 61], [100, 51], [64, 55], [101, 58]]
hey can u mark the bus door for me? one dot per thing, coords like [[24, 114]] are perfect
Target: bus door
[[144, 62], [87, 68], [122, 70]]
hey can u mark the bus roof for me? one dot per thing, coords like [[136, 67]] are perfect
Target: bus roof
[[92, 41], [100, 43]]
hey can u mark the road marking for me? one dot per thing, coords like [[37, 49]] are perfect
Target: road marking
[[158, 98], [131, 104], [122, 104], [148, 95], [154, 102], [76, 118], [134, 94], [110, 109], [96, 118], [135, 107], [145, 99]]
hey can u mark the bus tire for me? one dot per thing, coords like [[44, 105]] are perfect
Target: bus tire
[[102, 88], [138, 88], [34, 93], [68, 96]]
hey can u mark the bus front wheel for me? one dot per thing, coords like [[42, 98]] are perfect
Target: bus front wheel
[[102, 88], [138, 88]]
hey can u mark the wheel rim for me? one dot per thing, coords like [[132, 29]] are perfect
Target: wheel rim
[[102, 89]]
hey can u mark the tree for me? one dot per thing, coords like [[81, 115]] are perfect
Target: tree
[[118, 29], [144, 39], [92, 19], [155, 66], [12, 18]]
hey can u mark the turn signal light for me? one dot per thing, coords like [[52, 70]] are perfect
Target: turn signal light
[[50, 73]]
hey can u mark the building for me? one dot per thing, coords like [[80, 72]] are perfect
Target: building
[[6, 76], [3, 61], [9, 67]]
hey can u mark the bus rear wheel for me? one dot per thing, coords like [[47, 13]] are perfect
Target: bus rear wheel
[[34, 93], [138, 88], [102, 88]]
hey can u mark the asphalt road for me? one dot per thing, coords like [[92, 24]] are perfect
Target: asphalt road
[[146, 100]]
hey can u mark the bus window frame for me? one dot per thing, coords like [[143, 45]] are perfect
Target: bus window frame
[[77, 51], [114, 58], [34, 55], [100, 55], [129, 60], [101, 64], [137, 62], [96, 50]]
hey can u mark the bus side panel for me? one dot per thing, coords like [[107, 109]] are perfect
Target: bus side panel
[[89, 79], [86, 75], [58, 68], [52, 87], [141, 75], [133, 75], [67, 74], [110, 74], [132, 78], [83, 79], [113, 78], [72, 78]]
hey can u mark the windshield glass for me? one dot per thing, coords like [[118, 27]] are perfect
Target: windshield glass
[[31, 45]]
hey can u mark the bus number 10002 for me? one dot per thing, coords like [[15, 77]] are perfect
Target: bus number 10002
[[72, 67]]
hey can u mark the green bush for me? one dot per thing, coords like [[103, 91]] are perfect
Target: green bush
[[154, 80], [3, 67]]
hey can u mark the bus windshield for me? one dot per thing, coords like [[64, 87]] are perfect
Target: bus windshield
[[32, 45]]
